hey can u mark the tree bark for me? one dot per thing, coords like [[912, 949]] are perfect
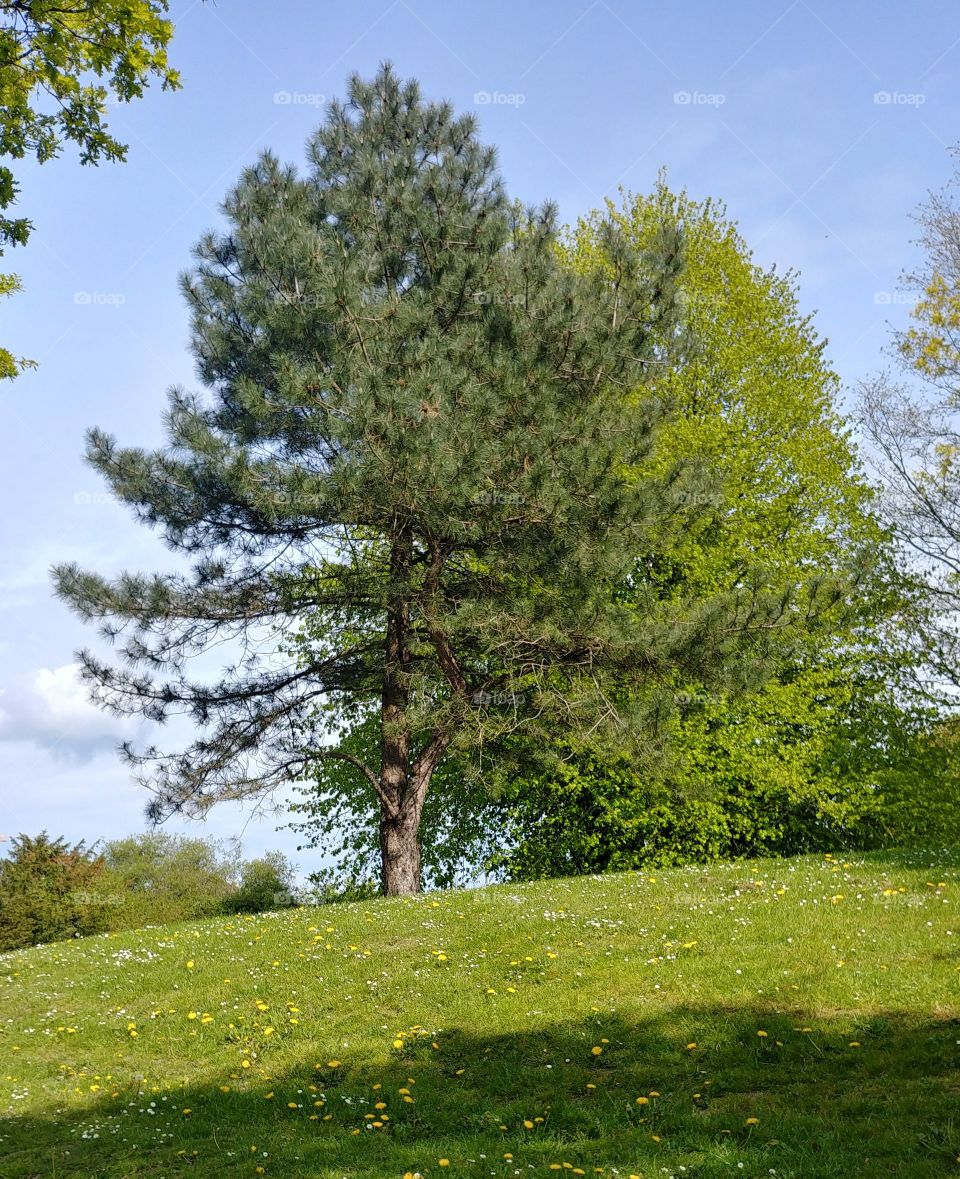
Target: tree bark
[[399, 820], [400, 851], [404, 780]]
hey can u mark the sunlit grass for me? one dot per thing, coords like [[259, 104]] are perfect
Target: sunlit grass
[[788, 1018]]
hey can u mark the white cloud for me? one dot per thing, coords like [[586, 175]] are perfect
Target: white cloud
[[52, 709]]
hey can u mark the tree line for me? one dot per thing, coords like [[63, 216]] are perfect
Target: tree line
[[51, 890]]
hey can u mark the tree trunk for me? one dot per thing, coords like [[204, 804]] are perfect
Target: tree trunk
[[399, 814], [400, 852], [403, 786]]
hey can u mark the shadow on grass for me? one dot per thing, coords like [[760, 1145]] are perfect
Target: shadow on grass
[[877, 1098]]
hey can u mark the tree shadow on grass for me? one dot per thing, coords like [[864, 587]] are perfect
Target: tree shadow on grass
[[722, 1092]]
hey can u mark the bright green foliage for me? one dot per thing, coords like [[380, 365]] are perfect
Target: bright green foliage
[[820, 761], [921, 794], [157, 878], [800, 762], [48, 891], [61, 61], [755, 402]]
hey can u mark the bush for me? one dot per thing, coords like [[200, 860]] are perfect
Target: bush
[[162, 878], [266, 883], [50, 891]]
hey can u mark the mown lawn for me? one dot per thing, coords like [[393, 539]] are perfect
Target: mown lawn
[[774, 1018]]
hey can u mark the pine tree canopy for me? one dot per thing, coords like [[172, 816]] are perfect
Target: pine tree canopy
[[411, 484]]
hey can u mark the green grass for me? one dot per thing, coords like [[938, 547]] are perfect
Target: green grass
[[787, 1018]]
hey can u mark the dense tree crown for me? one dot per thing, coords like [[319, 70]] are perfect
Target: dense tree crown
[[423, 466]]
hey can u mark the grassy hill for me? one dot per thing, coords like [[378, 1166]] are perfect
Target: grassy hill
[[786, 1018]]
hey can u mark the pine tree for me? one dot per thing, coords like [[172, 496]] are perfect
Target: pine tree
[[408, 489]]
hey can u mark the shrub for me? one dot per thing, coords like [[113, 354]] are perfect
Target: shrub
[[163, 878], [50, 891], [265, 883]]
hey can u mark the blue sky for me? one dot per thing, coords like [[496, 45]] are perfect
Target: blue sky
[[820, 125]]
